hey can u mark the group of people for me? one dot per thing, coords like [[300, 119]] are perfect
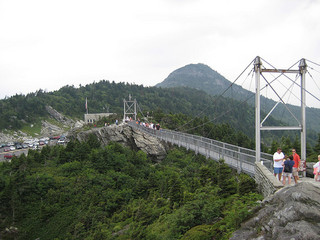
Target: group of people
[[149, 125], [145, 124], [288, 166]]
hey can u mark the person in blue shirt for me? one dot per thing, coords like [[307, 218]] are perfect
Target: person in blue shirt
[[287, 172]]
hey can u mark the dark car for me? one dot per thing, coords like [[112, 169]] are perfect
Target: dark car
[[18, 146]]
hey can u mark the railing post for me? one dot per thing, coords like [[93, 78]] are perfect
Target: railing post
[[239, 160]]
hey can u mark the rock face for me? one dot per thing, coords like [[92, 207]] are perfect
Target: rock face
[[310, 169], [59, 117], [48, 129], [126, 136], [292, 213]]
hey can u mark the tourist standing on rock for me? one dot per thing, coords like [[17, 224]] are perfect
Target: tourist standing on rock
[[287, 171], [278, 157], [296, 159], [316, 170]]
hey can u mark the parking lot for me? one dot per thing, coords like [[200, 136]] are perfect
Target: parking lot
[[17, 152]]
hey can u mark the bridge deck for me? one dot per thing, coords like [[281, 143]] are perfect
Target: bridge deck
[[239, 158]]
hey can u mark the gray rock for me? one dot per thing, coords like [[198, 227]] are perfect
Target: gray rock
[[59, 117], [309, 171], [291, 213], [128, 137]]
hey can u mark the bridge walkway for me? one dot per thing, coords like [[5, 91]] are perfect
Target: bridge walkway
[[239, 158]]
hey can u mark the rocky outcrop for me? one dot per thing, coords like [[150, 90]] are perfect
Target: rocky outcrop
[[126, 136], [48, 129], [59, 117], [292, 213], [309, 170]]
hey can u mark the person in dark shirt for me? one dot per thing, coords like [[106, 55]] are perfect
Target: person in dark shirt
[[287, 172]]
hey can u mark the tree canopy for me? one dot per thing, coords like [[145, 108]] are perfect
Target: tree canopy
[[84, 191]]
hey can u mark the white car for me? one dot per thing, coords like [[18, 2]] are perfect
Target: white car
[[61, 141], [12, 148]]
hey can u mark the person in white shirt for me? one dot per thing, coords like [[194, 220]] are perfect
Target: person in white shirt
[[316, 171], [278, 158]]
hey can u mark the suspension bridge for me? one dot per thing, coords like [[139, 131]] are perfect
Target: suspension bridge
[[243, 159], [239, 158]]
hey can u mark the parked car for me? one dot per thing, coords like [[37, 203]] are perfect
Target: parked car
[[19, 146], [35, 147], [12, 148], [6, 149], [8, 156], [24, 145], [54, 137]]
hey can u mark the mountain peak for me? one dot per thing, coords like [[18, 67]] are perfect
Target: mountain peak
[[199, 76]]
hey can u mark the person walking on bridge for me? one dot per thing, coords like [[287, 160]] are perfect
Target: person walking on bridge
[[278, 158], [296, 159]]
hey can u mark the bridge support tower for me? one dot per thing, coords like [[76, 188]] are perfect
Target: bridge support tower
[[129, 108], [301, 125]]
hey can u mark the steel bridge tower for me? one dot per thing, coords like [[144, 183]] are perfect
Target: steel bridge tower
[[129, 108], [301, 126]]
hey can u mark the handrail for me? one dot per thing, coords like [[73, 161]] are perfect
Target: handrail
[[237, 157]]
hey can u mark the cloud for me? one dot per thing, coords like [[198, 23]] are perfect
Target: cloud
[[48, 45]]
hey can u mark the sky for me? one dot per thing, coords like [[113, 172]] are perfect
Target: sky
[[49, 44]]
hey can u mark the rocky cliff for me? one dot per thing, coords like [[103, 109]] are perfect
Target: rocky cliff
[[126, 136], [292, 213]]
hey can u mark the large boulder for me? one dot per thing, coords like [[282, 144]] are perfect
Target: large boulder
[[309, 169], [127, 136], [292, 213]]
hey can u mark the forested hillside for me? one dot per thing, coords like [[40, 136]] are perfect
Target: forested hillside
[[202, 77], [20, 110], [83, 191]]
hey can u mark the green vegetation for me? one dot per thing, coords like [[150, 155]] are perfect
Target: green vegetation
[[19, 110], [84, 191], [32, 129], [70, 101]]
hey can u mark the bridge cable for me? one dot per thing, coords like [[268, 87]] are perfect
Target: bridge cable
[[253, 94], [280, 99], [216, 97], [313, 62], [293, 81]]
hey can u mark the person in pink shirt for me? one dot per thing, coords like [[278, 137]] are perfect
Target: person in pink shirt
[[316, 171]]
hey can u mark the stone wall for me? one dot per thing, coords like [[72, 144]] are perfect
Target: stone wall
[[94, 117], [267, 183]]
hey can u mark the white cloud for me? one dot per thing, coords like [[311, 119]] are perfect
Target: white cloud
[[49, 44]]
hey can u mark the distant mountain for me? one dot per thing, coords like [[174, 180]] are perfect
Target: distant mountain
[[202, 77]]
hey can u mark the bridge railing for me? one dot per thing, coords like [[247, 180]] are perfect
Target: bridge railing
[[243, 159]]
